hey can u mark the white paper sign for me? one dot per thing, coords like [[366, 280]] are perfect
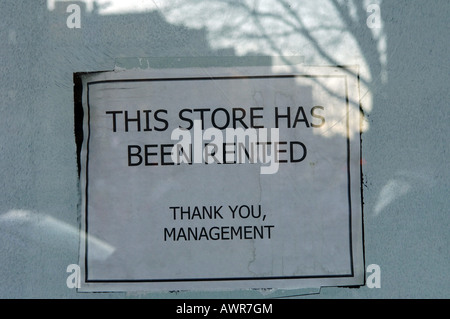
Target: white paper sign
[[221, 179]]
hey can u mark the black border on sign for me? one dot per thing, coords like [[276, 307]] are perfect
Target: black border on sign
[[88, 84]]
